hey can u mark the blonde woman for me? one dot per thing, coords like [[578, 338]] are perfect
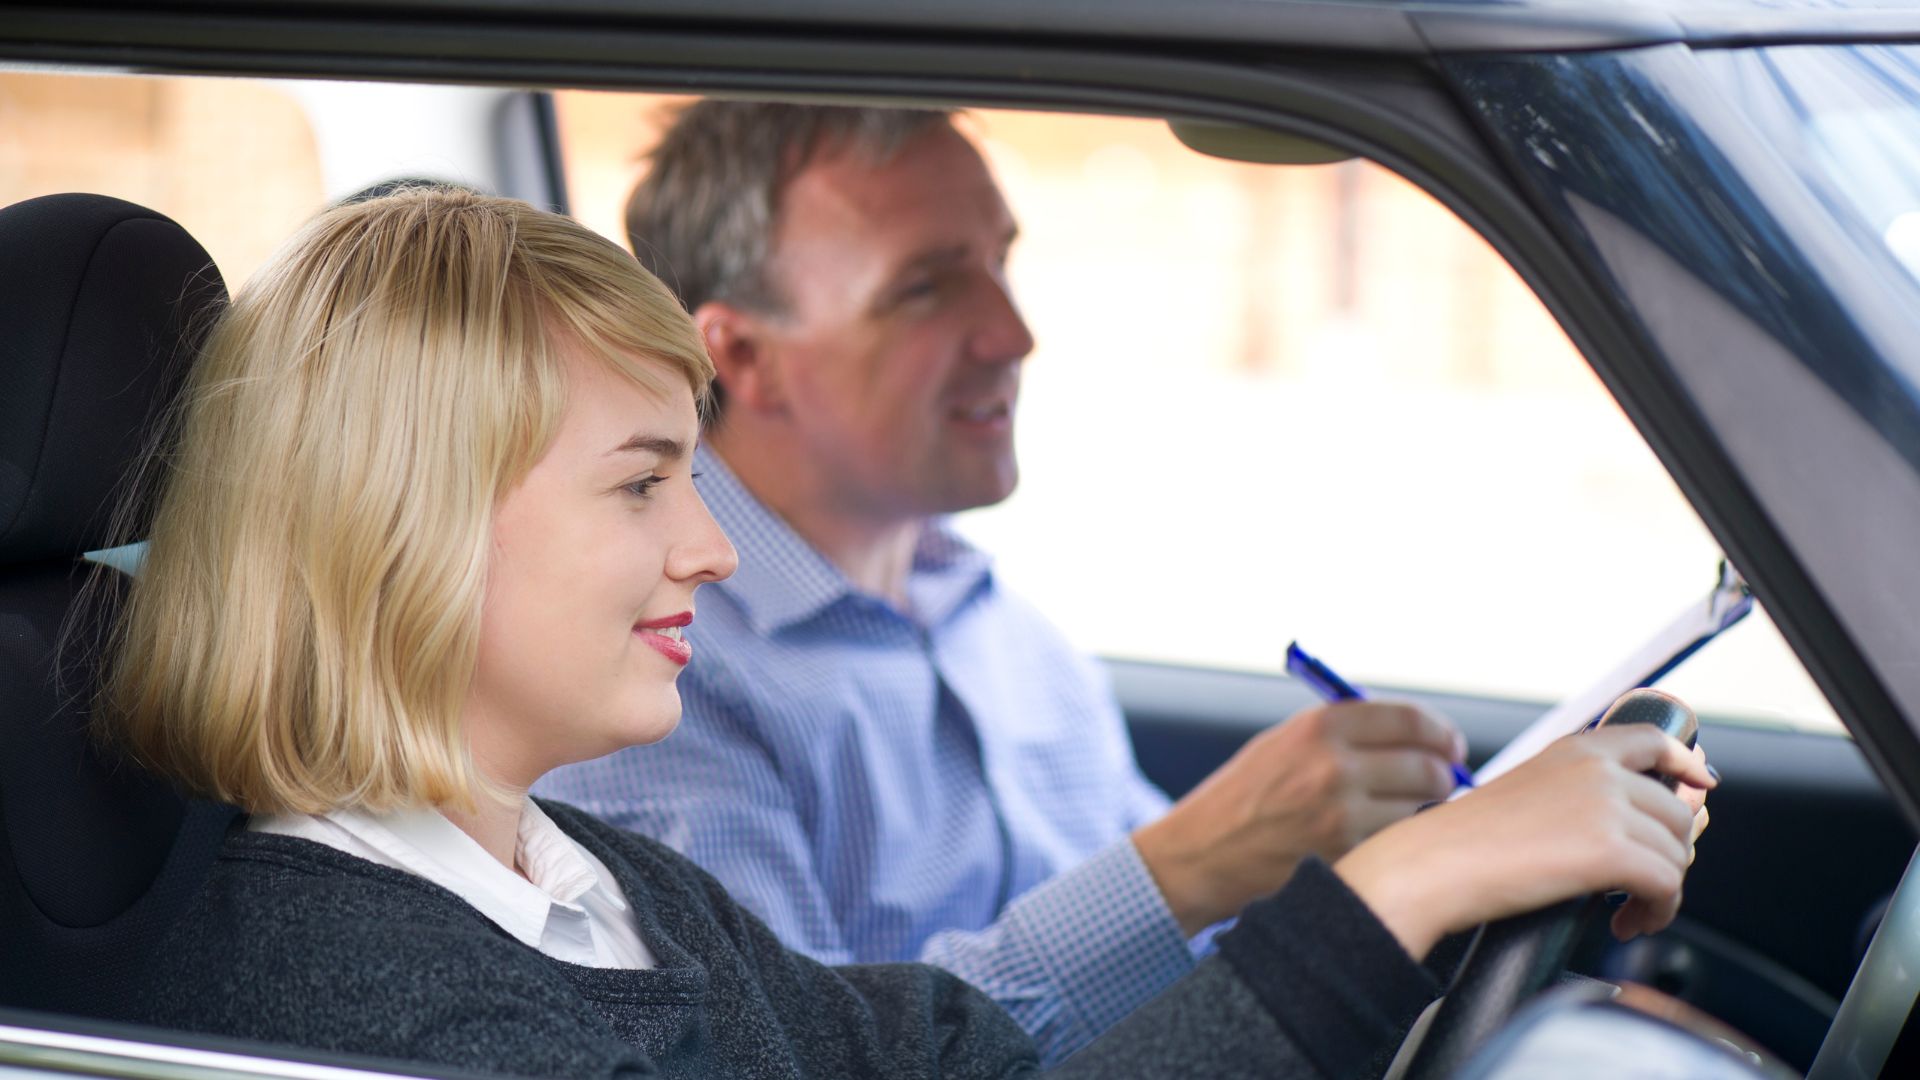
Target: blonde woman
[[428, 532]]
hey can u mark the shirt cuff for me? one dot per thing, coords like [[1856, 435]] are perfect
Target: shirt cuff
[[1105, 935], [1334, 978]]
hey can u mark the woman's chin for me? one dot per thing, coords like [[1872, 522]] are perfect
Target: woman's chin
[[658, 732], [656, 719], [642, 721]]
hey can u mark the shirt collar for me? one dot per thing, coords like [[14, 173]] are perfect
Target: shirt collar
[[559, 871], [947, 573], [558, 865], [783, 580]]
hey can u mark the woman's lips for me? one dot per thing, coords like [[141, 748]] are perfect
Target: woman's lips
[[663, 635]]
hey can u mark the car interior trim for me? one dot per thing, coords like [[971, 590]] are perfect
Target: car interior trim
[[95, 1055]]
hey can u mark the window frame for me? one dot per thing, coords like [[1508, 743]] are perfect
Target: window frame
[[1399, 111]]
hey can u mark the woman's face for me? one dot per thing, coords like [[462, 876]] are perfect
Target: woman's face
[[596, 555]]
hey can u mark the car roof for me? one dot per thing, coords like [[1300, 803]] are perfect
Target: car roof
[[1377, 27], [1371, 26]]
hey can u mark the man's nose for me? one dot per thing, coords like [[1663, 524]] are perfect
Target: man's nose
[[1002, 336]]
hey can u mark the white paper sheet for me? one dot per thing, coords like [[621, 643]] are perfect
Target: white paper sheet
[[1727, 604]]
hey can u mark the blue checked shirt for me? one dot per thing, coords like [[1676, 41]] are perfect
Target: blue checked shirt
[[956, 787]]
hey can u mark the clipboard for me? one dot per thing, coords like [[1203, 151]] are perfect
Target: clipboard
[[1728, 603]]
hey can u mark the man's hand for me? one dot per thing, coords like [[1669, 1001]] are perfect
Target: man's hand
[[1326, 779]]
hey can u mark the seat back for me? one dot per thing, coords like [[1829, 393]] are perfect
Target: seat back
[[104, 300]]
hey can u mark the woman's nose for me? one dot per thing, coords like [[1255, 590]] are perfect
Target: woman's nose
[[705, 554]]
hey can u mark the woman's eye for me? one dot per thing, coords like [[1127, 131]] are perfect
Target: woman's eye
[[644, 488]]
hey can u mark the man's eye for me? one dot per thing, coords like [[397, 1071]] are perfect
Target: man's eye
[[644, 488]]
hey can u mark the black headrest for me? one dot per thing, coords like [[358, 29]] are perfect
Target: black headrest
[[103, 303], [101, 295]]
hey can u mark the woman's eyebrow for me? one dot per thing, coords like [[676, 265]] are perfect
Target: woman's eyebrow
[[651, 444]]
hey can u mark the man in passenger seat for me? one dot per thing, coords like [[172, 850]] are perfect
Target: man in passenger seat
[[887, 755]]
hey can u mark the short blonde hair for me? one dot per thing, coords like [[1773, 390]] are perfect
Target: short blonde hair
[[303, 632]]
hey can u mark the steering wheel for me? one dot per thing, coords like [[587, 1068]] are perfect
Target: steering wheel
[[1514, 959]]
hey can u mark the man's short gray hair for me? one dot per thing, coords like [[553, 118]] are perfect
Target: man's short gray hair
[[703, 219]]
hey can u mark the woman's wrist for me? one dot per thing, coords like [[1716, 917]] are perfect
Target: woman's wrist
[[1400, 891]]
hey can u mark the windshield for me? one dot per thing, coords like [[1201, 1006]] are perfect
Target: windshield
[[1847, 120], [1750, 208]]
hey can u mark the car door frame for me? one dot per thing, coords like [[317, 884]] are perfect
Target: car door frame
[[1395, 107]]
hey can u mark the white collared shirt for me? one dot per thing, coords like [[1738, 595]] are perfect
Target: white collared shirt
[[568, 906]]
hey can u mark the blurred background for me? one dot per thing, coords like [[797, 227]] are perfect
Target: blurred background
[[1267, 402]]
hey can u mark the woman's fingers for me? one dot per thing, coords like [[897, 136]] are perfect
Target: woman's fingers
[[1640, 748], [1653, 870], [1658, 848], [1579, 818], [1651, 797], [1658, 839], [1694, 797], [1639, 916]]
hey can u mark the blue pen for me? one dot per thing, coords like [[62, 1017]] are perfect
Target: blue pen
[[1331, 687]]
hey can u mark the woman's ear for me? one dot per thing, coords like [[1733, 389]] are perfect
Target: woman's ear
[[741, 348]]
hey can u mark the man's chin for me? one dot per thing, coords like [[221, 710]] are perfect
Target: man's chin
[[977, 491]]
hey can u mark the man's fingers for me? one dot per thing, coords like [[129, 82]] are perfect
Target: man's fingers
[[1377, 814], [1420, 775], [1382, 723]]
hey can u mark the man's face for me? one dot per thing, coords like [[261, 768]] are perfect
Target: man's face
[[899, 355]]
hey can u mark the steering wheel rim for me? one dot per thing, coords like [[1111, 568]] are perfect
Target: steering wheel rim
[[1509, 962], [1515, 958]]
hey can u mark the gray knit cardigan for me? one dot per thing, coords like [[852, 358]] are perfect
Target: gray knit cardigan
[[293, 942]]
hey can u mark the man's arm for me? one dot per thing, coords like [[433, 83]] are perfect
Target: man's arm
[[1318, 784], [1071, 957]]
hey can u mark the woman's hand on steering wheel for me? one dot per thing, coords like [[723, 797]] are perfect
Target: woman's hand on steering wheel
[[1580, 817]]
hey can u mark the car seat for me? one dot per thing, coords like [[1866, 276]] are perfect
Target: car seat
[[103, 304]]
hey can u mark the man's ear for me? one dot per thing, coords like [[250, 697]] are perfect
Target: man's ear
[[741, 348]]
